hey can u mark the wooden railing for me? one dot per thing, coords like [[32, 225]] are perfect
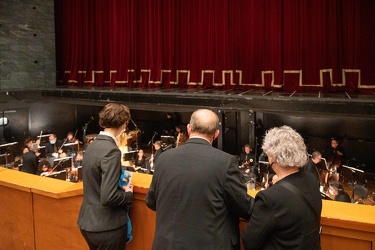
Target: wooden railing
[[41, 213]]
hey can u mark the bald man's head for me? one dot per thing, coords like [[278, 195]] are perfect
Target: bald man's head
[[205, 122]]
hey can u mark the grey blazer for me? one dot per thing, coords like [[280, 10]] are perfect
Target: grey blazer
[[104, 205], [198, 194]]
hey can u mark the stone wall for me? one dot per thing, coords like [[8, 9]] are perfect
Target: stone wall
[[27, 44]]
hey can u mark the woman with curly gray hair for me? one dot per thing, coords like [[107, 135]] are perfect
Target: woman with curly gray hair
[[287, 215]]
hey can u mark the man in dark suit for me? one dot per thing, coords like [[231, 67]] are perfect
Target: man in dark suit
[[30, 160], [198, 192]]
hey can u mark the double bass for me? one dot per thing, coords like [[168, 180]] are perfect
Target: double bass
[[334, 163], [181, 139]]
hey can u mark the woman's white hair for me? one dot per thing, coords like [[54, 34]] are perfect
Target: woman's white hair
[[285, 146]]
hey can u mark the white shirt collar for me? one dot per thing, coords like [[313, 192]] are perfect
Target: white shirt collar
[[108, 134]]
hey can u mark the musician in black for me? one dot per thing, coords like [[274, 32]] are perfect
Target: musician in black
[[70, 139], [27, 144], [169, 125], [335, 152], [140, 162], [247, 158], [158, 150], [337, 190], [247, 163], [30, 160], [44, 167], [311, 165], [53, 147]]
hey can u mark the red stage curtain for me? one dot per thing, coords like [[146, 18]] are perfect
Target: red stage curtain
[[293, 45]]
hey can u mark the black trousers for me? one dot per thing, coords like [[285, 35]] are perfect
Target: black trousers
[[107, 240]]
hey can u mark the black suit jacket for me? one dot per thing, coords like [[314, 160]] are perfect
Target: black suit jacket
[[282, 220], [104, 205], [343, 196], [312, 168], [30, 162], [198, 194]]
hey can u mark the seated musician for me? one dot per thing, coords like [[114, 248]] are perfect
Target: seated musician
[[27, 144], [140, 161], [44, 168], [70, 138], [247, 161], [53, 147], [337, 190], [77, 162]]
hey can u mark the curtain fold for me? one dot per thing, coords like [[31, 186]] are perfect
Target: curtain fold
[[292, 45]]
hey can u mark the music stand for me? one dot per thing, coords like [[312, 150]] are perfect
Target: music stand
[[62, 163], [42, 150], [167, 139], [61, 175], [8, 150], [129, 156], [325, 196], [72, 147], [41, 138], [353, 172]]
